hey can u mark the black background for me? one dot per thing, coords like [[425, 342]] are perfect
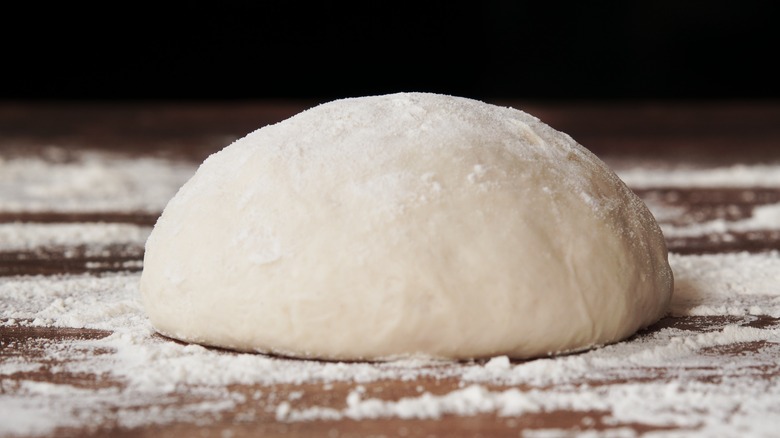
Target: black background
[[529, 50]]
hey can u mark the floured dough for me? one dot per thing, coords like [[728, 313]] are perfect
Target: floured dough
[[409, 224]]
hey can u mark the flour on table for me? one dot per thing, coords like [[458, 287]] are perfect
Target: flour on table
[[763, 217], [737, 175], [91, 181], [32, 236]]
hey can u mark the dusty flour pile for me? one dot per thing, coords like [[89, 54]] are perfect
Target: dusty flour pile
[[738, 175], [668, 377], [30, 236], [89, 181]]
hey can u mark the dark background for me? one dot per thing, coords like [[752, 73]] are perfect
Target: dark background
[[529, 50]]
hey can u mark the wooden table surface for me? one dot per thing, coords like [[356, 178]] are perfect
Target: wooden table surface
[[678, 156]]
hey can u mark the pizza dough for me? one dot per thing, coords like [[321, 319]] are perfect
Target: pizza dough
[[409, 224]]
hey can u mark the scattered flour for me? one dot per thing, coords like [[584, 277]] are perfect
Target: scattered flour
[[738, 175], [31, 236], [93, 181], [736, 284], [764, 217]]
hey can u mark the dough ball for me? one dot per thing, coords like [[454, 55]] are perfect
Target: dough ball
[[409, 224]]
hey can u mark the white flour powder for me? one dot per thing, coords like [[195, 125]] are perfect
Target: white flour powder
[[30, 236], [92, 181], [738, 175]]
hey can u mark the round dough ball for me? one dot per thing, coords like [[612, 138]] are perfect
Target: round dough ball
[[409, 224]]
